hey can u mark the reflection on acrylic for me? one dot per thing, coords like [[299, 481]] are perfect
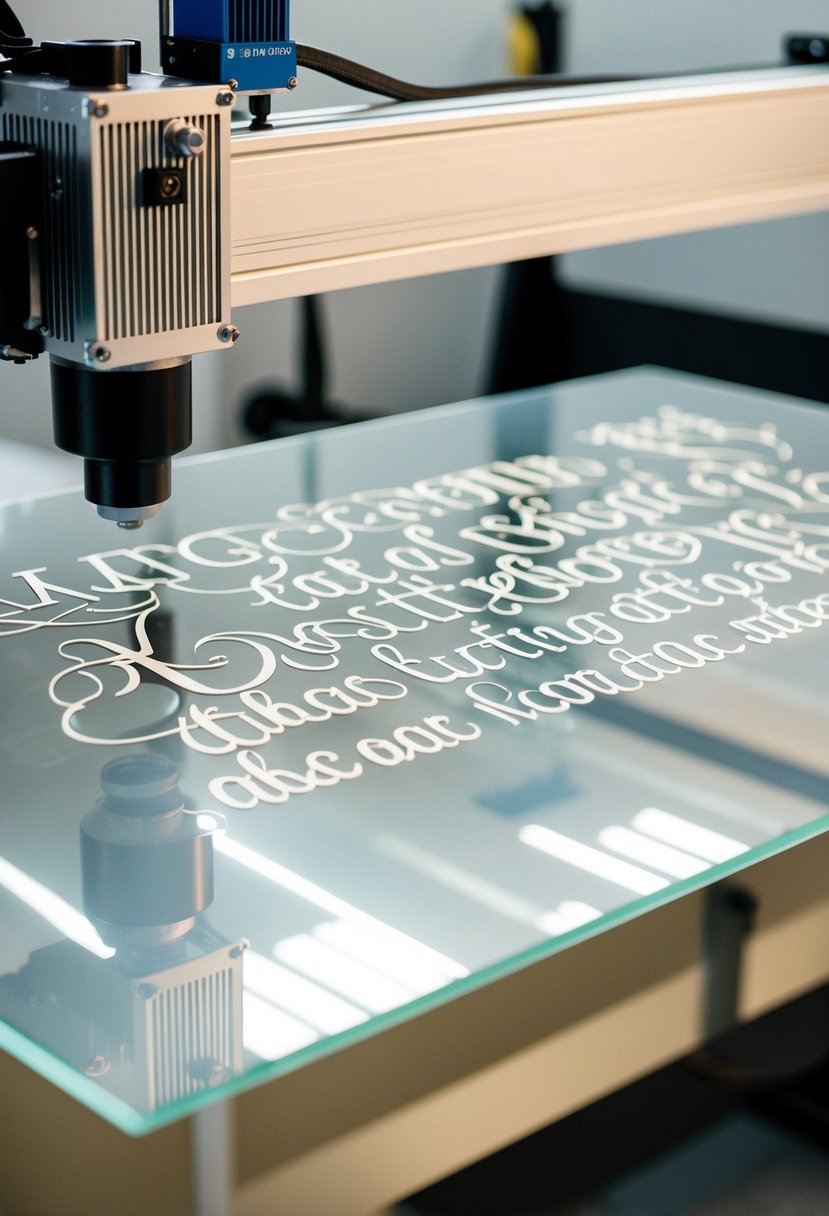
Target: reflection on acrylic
[[422, 729], [155, 1015]]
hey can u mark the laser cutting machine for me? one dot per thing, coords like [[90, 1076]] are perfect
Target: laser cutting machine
[[138, 211]]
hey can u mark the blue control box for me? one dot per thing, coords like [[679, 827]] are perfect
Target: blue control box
[[232, 21], [244, 41]]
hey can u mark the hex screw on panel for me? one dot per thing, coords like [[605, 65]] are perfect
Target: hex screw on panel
[[225, 99], [228, 333]]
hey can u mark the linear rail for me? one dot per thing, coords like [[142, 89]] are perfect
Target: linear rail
[[365, 195]]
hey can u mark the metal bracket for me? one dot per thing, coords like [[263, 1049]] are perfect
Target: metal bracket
[[730, 913], [212, 1155]]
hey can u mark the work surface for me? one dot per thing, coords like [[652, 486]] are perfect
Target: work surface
[[367, 720]]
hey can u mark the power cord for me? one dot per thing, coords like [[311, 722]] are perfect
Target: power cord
[[346, 71]]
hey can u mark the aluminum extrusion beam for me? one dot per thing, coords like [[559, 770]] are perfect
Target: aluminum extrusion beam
[[334, 200]]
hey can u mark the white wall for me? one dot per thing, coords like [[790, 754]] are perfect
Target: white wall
[[773, 271], [90, 19], [675, 35]]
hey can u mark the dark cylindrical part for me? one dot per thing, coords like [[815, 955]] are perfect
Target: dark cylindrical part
[[260, 109], [98, 63], [126, 425], [121, 483]]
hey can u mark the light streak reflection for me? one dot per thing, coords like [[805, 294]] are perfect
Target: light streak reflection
[[68, 920]]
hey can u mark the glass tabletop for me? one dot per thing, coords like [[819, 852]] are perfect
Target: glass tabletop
[[367, 719]]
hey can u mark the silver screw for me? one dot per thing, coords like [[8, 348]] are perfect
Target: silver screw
[[216, 1076], [98, 1066], [32, 234], [293, 82], [233, 84], [238, 950], [101, 111], [225, 99], [228, 333], [44, 331], [211, 1073], [101, 354]]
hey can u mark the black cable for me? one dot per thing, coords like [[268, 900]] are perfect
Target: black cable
[[10, 28], [348, 72], [13, 41]]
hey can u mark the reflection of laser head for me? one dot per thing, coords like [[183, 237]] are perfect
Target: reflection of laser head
[[147, 866], [162, 1018]]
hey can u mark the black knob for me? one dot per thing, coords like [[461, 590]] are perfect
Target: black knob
[[98, 63]]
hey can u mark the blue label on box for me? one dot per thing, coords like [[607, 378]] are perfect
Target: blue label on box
[[262, 65]]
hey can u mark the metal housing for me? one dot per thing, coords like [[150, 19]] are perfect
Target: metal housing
[[125, 280]]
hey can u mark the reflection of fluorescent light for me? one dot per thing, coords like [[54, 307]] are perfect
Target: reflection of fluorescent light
[[571, 914], [269, 1033], [591, 860], [457, 879], [208, 822], [683, 834], [68, 920], [306, 889], [326, 1012], [354, 980], [576, 913], [660, 856], [378, 952]]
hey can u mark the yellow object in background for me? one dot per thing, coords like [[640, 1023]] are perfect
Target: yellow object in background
[[525, 46]]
